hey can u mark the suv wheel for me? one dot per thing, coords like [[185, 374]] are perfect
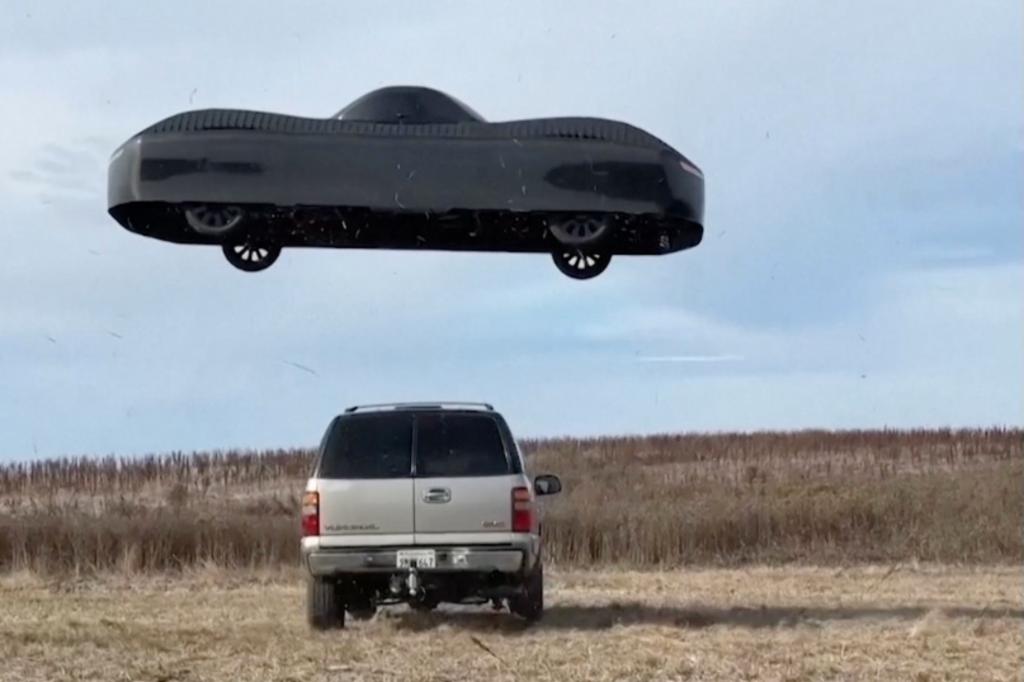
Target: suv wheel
[[530, 604], [324, 609]]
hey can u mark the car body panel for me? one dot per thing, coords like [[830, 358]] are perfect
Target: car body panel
[[366, 507], [474, 505], [464, 559], [451, 182]]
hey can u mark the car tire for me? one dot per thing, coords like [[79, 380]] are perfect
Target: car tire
[[324, 608], [580, 230], [581, 263], [251, 254], [215, 220], [530, 605]]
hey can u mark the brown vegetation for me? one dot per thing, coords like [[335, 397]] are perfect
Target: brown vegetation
[[789, 623], [817, 497]]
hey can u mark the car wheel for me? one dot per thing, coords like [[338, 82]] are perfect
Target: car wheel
[[580, 263], [323, 606], [250, 254], [580, 230], [214, 220], [530, 604]]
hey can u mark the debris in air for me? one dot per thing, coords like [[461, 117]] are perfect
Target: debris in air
[[304, 368], [597, 187]]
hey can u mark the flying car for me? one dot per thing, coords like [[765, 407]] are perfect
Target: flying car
[[407, 167]]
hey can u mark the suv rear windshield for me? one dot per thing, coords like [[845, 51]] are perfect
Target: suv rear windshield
[[371, 446], [453, 445]]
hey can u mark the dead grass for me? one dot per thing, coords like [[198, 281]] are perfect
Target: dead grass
[[918, 623], [665, 500]]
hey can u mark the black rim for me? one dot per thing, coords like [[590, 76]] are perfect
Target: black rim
[[249, 253], [251, 256], [581, 264]]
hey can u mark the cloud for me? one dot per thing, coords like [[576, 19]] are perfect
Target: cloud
[[863, 221]]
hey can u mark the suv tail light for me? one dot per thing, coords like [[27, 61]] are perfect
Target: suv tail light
[[310, 514], [522, 510]]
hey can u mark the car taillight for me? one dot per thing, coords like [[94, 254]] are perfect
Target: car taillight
[[310, 514], [522, 510]]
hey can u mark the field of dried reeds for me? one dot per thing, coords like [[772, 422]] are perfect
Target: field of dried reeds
[[753, 623], [658, 501]]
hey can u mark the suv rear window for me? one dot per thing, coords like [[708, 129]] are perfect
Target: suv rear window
[[454, 445], [371, 446]]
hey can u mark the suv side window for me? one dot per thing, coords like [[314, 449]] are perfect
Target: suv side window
[[369, 446], [455, 445], [512, 445]]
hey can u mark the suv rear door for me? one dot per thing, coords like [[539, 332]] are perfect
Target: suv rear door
[[464, 478], [365, 481]]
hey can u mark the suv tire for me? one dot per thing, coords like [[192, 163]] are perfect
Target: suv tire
[[324, 610], [530, 605]]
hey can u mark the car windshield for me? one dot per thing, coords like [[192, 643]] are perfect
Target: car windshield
[[452, 445], [369, 446]]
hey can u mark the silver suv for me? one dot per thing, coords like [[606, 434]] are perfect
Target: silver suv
[[423, 504]]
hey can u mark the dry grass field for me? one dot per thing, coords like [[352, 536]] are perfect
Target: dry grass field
[[770, 623], [814, 497], [778, 556]]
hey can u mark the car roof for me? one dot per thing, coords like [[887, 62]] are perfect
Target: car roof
[[431, 406], [409, 104]]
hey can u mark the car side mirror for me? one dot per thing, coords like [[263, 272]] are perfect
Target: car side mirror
[[547, 484]]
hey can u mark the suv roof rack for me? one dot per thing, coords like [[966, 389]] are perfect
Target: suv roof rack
[[439, 405]]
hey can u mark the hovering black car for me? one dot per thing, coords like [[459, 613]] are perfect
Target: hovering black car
[[407, 168]]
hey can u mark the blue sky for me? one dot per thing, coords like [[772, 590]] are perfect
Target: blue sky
[[862, 266]]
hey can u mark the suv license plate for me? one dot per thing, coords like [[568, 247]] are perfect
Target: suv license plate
[[418, 558]]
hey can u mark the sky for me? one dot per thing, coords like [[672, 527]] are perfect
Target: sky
[[862, 264]]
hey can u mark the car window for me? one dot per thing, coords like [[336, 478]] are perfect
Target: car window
[[371, 446], [459, 445]]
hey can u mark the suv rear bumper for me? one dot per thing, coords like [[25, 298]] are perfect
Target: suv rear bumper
[[501, 559]]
